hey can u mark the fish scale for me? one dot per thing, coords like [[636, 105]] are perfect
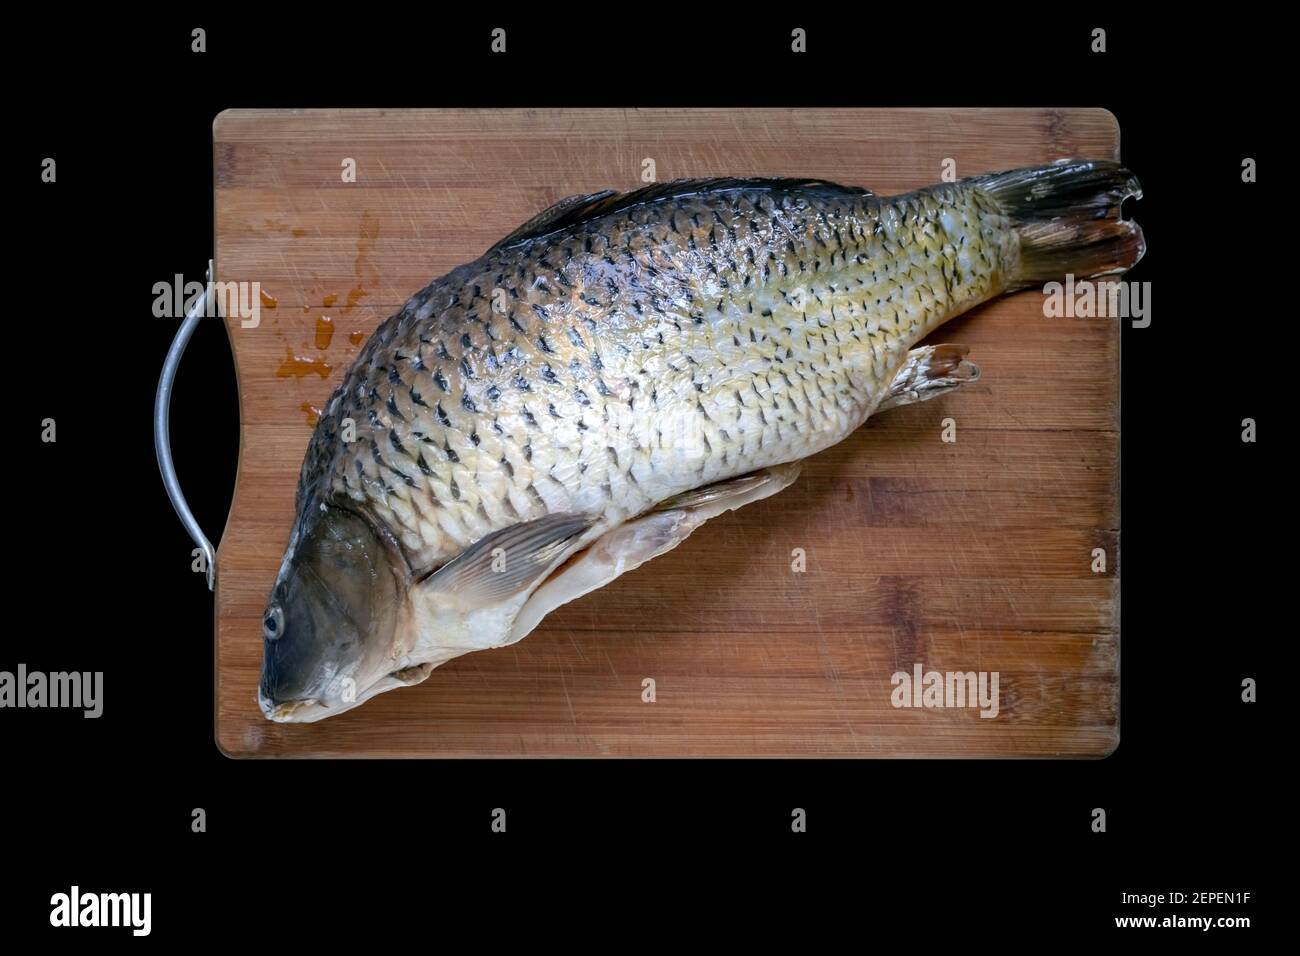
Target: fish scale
[[644, 353]]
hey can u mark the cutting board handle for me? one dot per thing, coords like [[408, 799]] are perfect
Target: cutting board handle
[[162, 428]]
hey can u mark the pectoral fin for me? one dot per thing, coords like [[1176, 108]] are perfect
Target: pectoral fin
[[635, 542], [508, 561], [929, 372]]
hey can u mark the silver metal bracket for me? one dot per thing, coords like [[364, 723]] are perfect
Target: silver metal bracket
[[162, 428]]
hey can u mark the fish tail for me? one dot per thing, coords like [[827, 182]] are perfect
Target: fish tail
[[1067, 218]]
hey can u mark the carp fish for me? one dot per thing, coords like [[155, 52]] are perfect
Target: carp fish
[[617, 371]]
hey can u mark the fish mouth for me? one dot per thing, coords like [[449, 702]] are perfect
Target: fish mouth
[[301, 711], [290, 711], [311, 709]]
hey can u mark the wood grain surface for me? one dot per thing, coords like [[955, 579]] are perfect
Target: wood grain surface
[[973, 555]]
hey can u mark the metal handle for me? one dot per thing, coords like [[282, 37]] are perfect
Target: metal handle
[[162, 428]]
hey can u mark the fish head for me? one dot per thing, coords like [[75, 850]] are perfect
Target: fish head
[[350, 618], [331, 634]]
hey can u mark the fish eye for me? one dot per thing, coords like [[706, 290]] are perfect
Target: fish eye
[[273, 623]]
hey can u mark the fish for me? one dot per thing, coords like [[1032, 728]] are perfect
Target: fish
[[617, 371]]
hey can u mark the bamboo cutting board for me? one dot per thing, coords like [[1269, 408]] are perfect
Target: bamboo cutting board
[[968, 556]]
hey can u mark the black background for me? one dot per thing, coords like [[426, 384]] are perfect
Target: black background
[[98, 571]]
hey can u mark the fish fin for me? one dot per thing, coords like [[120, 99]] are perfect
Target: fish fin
[[733, 487], [1067, 216], [578, 209], [505, 562], [712, 500], [929, 372], [552, 217], [635, 542]]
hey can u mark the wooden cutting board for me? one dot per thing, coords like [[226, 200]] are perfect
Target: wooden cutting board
[[968, 556]]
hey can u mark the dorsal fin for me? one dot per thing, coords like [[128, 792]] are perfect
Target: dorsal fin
[[549, 219], [576, 209]]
